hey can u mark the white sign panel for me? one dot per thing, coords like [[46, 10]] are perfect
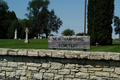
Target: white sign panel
[[69, 42]]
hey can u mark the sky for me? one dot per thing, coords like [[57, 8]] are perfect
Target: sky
[[71, 12]]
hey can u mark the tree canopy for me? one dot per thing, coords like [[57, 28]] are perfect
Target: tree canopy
[[44, 21], [117, 25], [68, 32], [100, 15], [8, 21]]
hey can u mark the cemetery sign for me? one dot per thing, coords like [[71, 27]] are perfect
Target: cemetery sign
[[69, 42]]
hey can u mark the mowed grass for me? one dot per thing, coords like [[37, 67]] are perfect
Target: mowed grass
[[43, 44], [19, 44]]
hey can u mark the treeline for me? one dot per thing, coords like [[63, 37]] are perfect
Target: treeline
[[39, 20]]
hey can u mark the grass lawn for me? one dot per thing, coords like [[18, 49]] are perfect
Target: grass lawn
[[42, 44]]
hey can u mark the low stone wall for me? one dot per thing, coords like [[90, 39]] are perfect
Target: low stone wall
[[24, 64]]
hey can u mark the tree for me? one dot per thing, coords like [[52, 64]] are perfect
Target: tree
[[68, 32], [80, 34], [44, 21], [117, 25], [26, 23], [3, 9], [34, 9], [14, 25], [49, 21], [100, 15]]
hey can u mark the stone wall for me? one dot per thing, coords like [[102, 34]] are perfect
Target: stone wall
[[24, 64]]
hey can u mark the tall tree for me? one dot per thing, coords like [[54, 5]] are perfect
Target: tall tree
[[100, 15], [49, 22], [117, 25], [34, 9], [3, 9]]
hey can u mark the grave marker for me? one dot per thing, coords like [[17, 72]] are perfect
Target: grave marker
[[26, 39], [15, 37]]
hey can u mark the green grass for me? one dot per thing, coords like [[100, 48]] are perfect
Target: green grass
[[42, 44], [19, 44]]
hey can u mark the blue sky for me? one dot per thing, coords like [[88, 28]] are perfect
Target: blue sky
[[71, 12]]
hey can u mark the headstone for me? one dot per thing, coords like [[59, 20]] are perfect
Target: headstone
[[40, 37], [26, 39], [15, 37], [69, 42]]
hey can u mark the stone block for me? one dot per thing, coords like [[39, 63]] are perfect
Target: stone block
[[76, 79], [52, 71], [13, 52], [96, 56], [48, 76], [22, 52], [20, 72], [71, 54], [32, 68], [58, 77], [64, 71], [108, 69], [32, 53], [41, 53], [117, 70], [94, 69], [23, 78], [102, 74], [10, 74], [38, 76], [115, 56], [70, 66], [7, 69], [33, 64], [95, 78], [81, 75], [28, 73], [46, 65], [4, 51], [58, 54], [48, 53], [43, 70], [3, 63], [69, 76], [21, 63], [83, 70], [2, 74], [114, 75], [12, 64], [56, 66], [22, 67], [84, 55]]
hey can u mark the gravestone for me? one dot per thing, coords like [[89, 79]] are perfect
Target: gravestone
[[15, 37], [69, 42], [26, 39]]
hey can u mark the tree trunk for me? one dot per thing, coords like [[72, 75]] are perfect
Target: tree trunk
[[46, 35], [119, 35]]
